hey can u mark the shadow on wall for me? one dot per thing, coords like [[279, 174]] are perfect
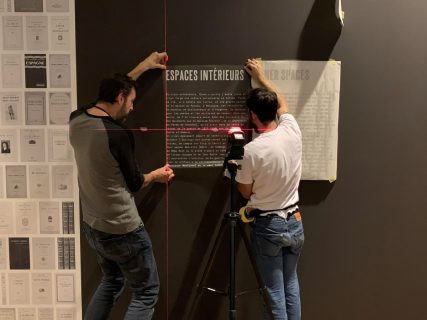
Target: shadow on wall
[[314, 192], [318, 38], [320, 32], [148, 203]]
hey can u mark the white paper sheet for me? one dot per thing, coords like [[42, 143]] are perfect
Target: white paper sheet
[[59, 71], [43, 253], [19, 288], [311, 89], [49, 217], [65, 287], [62, 181], [33, 146], [12, 33], [26, 217], [39, 181], [11, 70], [59, 107], [11, 108], [8, 145], [60, 33], [36, 32], [35, 108], [16, 181], [42, 292]]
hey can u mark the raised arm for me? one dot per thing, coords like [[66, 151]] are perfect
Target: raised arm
[[254, 68], [156, 60]]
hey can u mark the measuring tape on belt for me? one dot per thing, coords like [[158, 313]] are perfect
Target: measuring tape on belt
[[244, 215]]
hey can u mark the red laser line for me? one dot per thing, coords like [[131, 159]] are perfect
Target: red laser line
[[166, 156], [174, 129]]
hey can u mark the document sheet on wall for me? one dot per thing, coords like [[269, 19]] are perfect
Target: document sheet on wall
[[311, 89]]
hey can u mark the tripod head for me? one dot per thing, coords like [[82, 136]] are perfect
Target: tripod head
[[235, 143], [235, 151]]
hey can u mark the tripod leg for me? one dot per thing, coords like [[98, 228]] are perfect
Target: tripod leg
[[261, 285], [208, 267]]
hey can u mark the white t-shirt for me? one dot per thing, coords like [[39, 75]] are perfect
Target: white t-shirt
[[272, 162]]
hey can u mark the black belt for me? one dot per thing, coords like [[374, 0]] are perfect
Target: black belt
[[290, 214], [256, 213]]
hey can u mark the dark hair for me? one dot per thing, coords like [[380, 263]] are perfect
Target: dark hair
[[111, 87], [263, 103]]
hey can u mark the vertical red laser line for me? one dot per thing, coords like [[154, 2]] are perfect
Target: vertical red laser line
[[166, 150]]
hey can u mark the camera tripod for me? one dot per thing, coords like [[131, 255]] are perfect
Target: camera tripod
[[232, 219]]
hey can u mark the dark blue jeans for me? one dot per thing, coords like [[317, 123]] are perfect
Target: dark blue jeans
[[276, 245], [126, 258]]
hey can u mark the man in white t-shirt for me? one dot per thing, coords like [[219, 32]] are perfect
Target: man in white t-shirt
[[269, 178]]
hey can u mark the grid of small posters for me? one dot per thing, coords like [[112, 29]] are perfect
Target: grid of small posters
[[39, 240]]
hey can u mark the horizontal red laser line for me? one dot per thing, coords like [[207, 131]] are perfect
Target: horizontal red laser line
[[173, 129]]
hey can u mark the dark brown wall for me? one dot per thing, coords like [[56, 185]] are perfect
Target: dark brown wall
[[365, 234]]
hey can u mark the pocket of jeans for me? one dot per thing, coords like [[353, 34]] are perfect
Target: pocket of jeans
[[267, 247], [297, 231], [115, 248]]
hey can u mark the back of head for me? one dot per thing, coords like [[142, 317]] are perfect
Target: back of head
[[263, 103], [112, 86]]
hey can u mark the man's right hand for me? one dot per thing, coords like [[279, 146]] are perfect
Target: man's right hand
[[254, 68]]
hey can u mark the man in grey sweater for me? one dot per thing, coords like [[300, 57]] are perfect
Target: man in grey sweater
[[108, 176]]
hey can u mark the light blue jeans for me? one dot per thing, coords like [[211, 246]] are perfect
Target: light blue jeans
[[126, 258], [276, 245]]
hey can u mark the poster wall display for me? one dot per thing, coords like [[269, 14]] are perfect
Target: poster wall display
[[39, 219]]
